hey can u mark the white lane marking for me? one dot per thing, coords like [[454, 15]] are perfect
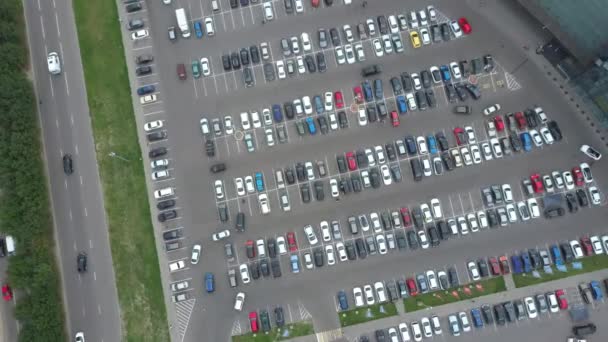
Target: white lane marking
[[71, 119], [98, 309], [80, 180], [57, 123], [91, 247], [42, 27], [54, 4], [75, 249], [76, 149], [84, 313], [52, 88], [39, 8], [70, 215], [194, 85], [57, 21], [94, 276], [67, 86], [85, 212], [65, 183]]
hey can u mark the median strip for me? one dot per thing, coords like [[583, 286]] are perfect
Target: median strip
[[588, 264], [287, 332], [366, 314]]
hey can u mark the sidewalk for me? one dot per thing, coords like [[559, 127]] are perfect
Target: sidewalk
[[512, 293]]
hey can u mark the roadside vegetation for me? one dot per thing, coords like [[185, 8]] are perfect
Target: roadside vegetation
[[287, 332], [24, 200], [367, 313], [590, 264], [140, 294], [464, 292]]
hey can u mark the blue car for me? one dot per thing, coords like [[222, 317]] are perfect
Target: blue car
[[209, 282], [526, 141], [342, 300], [276, 112], [401, 104], [198, 29], [596, 290], [259, 181], [557, 255], [517, 264], [445, 73], [295, 265], [147, 89], [432, 144], [367, 91], [311, 126], [318, 104], [476, 316], [527, 262]]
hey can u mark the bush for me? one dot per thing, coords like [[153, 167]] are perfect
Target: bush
[[24, 202]]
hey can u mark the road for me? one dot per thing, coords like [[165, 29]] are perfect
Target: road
[[90, 299]]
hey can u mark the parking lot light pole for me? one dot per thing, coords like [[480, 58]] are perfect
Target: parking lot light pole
[[114, 155]]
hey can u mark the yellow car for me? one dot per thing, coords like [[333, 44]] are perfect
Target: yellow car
[[415, 37]]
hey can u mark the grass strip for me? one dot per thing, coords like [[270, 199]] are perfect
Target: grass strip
[[590, 264], [465, 292], [287, 332], [125, 196], [366, 314]]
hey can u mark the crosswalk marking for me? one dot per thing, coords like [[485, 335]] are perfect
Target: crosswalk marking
[[183, 312], [512, 83]]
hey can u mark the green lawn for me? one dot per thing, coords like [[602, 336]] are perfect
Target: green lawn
[[278, 334], [366, 314], [590, 264], [125, 196], [468, 291]]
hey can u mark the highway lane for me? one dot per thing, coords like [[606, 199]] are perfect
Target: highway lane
[[91, 302]]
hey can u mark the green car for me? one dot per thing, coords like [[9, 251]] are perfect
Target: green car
[[196, 69]]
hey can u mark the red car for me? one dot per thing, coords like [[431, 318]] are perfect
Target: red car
[[504, 264], [561, 299], [395, 119], [315, 3], [499, 123], [352, 162], [405, 215], [578, 176], [521, 120], [7, 293], [464, 25], [253, 321], [494, 266], [586, 244], [358, 94], [250, 248], [460, 135], [411, 286], [338, 99], [291, 241], [537, 183]]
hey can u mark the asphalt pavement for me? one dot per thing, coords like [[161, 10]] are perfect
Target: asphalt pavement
[[519, 82], [91, 300]]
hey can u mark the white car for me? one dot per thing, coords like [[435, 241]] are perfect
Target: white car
[[426, 167], [378, 49], [426, 213], [264, 205], [297, 104], [416, 81], [456, 29], [371, 27], [426, 37], [281, 245], [597, 245], [359, 52], [245, 123], [268, 12], [591, 152], [531, 307], [266, 117], [308, 263], [507, 192], [160, 174], [228, 127], [416, 331], [411, 102], [586, 170], [249, 184], [404, 332], [470, 134], [306, 45], [162, 193], [269, 137], [221, 235], [244, 270], [482, 218], [380, 154], [362, 117], [436, 207], [422, 148], [523, 211], [358, 295], [333, 121], [370, 299], [577, 249], [310, 235], [386, 175], [538, 141], [558, 179], [496, 147], [53, 63], [219, 189], [547, 137], [464, 321], [568, 179], [240, 186], [548, 182], [436, 325], [473, 224], [350, 54], [424, 241], [255, 119], [455, 70], [329, 102], [341, 251], [205, 66], [239, 301], [380, 292], [281, 70], [340, 57], [393, 24], [325, 233], [462, 224], [153, 125], [139, 34], [196, 254], [435, 74], [209, 26], [432, 13], [307, 105], [381, 242], [432, 279], [299, 6], [348, 33], [426, 327], [541, 114], [473, 271], [388, 44], [310, 173], [331, 257], [594, 193], [476, 154], [511, 213], [301, 67], [466, 155], [492, 109], [333, 185], [487, 151], [375, 222], [533, 207], [147, 99]]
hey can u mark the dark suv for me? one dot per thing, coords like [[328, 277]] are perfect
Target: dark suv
[[67, 164], [81, 261]]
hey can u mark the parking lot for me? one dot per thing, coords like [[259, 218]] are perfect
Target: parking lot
[[512, 82]]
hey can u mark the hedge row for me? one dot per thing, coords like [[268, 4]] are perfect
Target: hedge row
[[24, 202]]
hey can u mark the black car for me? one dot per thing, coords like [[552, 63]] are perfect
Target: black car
[[234, 4], [269, 72], [445, 32], [374, 177], [166, 204], [444, 230], [172, 235], [390, 151], [209, 148], [335, 36], [68, 167], [248, 77], [484, 271], [406, 79], [453, 277], [509, 311], [244, 56], [235, 60], [255, 54], [355, 179], [401, 241], [342, 119], [167, 215], [473, 90], [571, 202], [442, 141], [265, 267], [464, 68], [319, 257], [531, 118], [380, 335], [382, 111], [289, 175], [382, 24], [397, 87], [271, 244], [430, 97], [448, 161], [360, 245], [244, 3], [351, 252], [410, 143], [279, 317], [289, 110], [323, 127], [486, 312], [461, 92], [412, 239], [535, 257], [372, 115], [254, 269], [433, 236], [425, 77], [81, 261], [421, 100], [500, 313], [130, 8], [226, 62], [300, 172], [144, 59], [516, 143], [157, 152], [276, 268], [319, 192], [556, 132], [321, 62], [567, 252], [310, 64], [477, 66], [217, 168], [305, 192], [341, 160], [583, 330], [371, 70], [436, 33], [450, 92], [581, 195], [143, 70]]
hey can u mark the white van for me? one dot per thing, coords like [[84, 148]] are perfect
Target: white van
[[10, 245], [215, 5], [178, 265], [280, 179], [161, 193]]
